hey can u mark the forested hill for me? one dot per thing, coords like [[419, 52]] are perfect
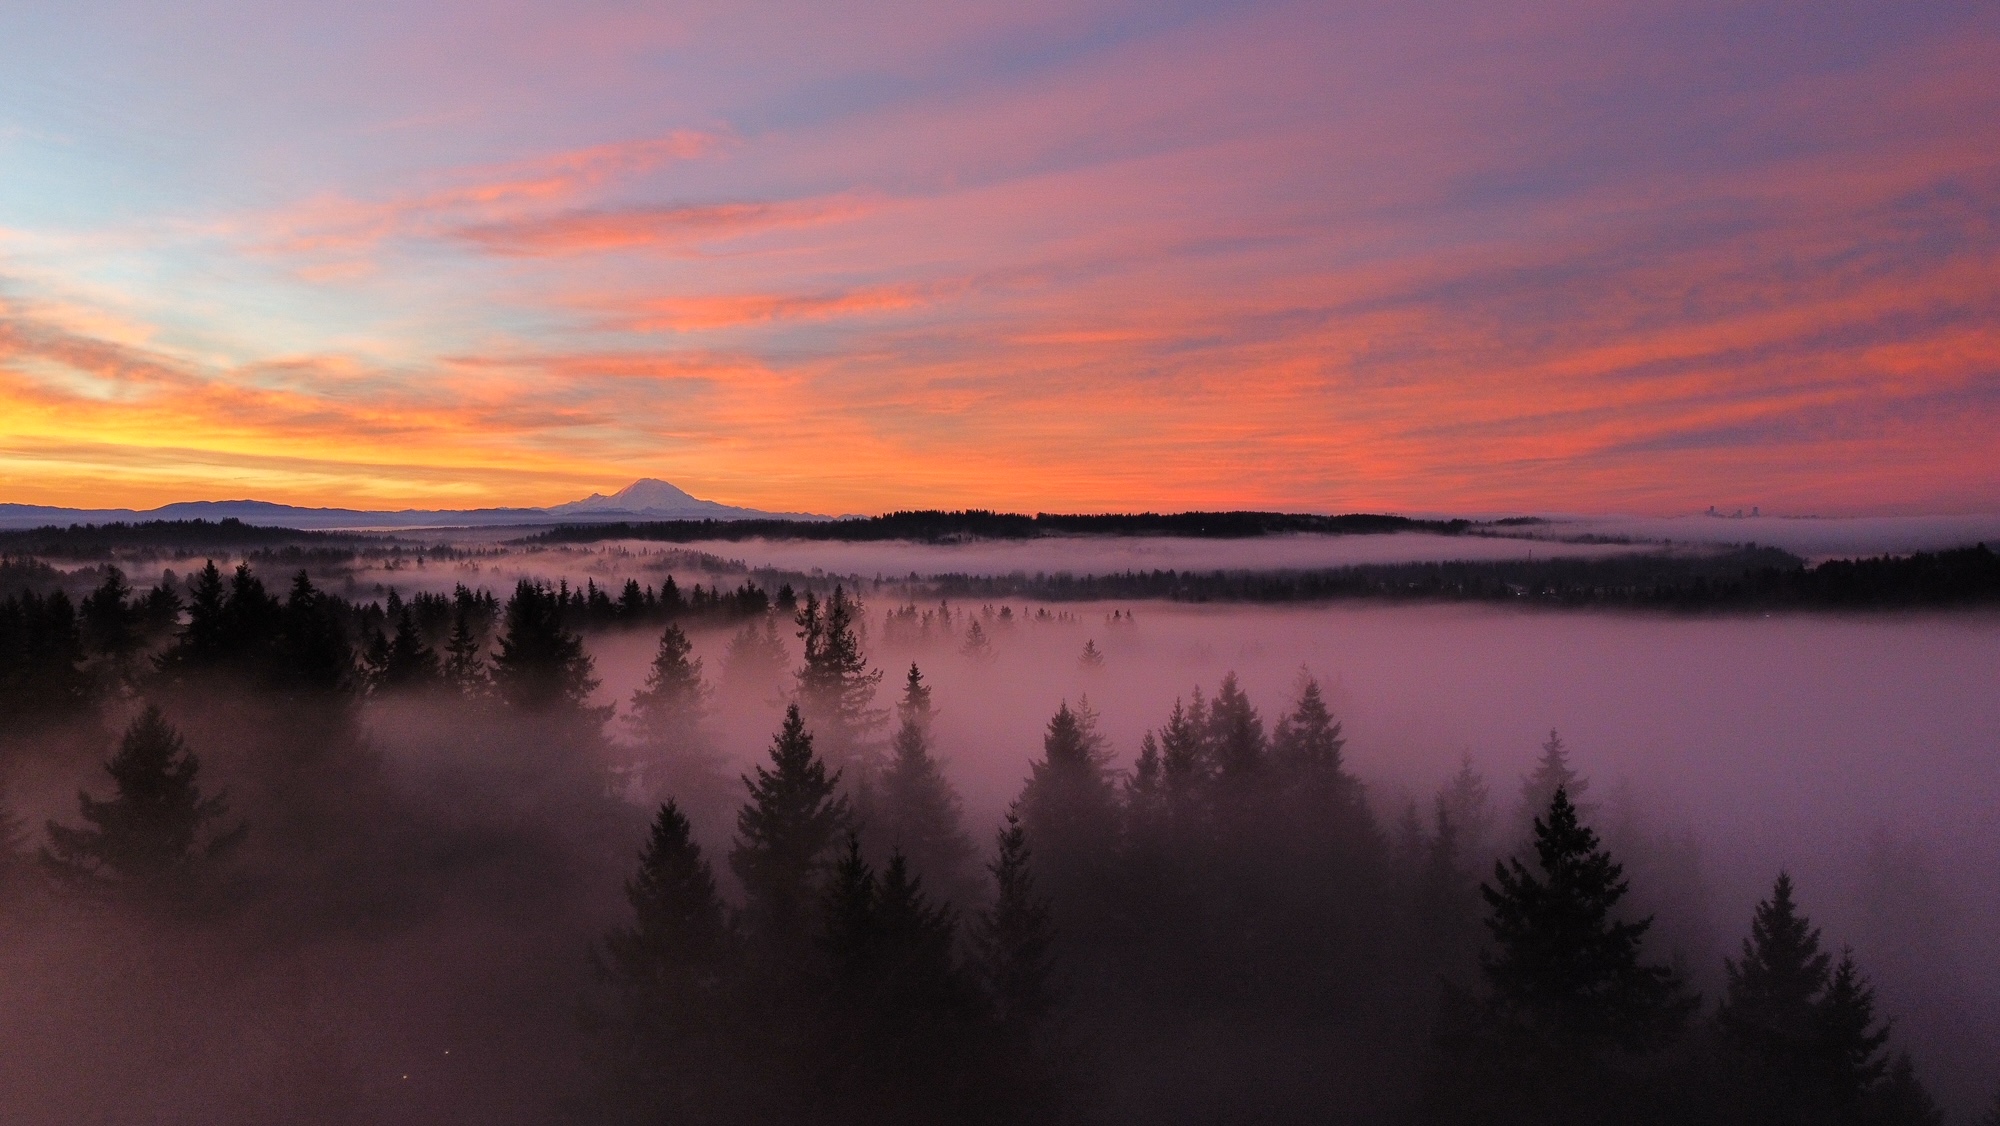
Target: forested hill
[[977, 524], [1750, 578]]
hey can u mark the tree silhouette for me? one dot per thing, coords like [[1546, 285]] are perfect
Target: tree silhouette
[[672, 973], [406, 663], [541, 665], [836, 686], [1014, 939], [1772, 1013], [1552, 772], [785, 835], [313, 655], [669, 709], [917, 812], [464, 667], [153, 837]]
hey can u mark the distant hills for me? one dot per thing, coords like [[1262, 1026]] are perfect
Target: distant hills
[[648, 499]]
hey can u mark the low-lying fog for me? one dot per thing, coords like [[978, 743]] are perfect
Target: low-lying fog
[[1862, 754]]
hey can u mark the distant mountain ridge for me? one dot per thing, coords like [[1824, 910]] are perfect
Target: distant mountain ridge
[[645, 499]]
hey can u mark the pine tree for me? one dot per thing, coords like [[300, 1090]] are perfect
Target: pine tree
[[1552, 772], [1014, 939], [917, 811], [672, 974], [669, 710], [1901, 1100], [464, 668], [1852, 1065], [1466, 798], [1069, 809], [1235, 736], [541, 665], [155, 835], [1092, 657], [1771, 1012], [205, 641], [405, 664], [756, 657], [835, 685], [1307, 744], [110, 619], [785, 834], [1185, 771], [977, 645], [1564, 972]]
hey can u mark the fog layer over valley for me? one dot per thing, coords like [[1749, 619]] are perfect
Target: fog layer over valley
[[1232, 910]]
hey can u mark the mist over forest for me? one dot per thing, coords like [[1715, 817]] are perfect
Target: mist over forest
[[328, 828]]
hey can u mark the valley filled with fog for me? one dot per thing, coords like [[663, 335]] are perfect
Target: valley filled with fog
[[406, 930]]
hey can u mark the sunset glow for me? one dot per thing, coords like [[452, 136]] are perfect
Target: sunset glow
[[1088, 256]]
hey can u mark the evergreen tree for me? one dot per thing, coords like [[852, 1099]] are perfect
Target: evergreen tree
[[111, 619], [756, 657], [405, 664], [541, 665], [1467, 800], [977, 645], [1014, 939], [1852, 1064], [785, 834], [1307, 744], [1564, 972], [41, 657], [1235, 737], [1069, 809], [1185, 771], [155, 835], [1092, 657], [835, 685], [312, 649], [1902, 1100], [1771, 1013], [918, 813], [669, 709], [672, 974], [1552, 772], [205, 641], [251, 620], [464, 667]]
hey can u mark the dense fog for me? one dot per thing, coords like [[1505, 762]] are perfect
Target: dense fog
[[405, 934]]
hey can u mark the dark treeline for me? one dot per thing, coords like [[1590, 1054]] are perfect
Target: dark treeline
[[1751, 578], [978, 524], [96, 541], [1224, 932]]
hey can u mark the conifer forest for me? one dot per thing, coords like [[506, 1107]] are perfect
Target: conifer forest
[[272, 853]]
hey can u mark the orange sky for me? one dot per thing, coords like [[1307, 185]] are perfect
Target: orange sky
[[1581, 257]]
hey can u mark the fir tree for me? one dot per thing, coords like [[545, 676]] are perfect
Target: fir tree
[[1014, 939], [155, 835], [1468, 801], [1852, 1065], [1564, 972], [785, 834], [1771, 1012], [464, 668], [672, 974], [1235, 736], [541, 665], [110, 619], [312, 649], [756, 657], [1901, 1100], [918, 811], [835, 685], [1552, 772], [1307, 744], [669, 709], [205, 641], [977, 645], [405, 664], [1092, 657], [1069, 809]]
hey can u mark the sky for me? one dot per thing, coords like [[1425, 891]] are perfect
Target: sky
[[1080, 256]]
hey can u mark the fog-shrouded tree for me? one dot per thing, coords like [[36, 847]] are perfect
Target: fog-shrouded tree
[[313, 654], [406, 663], [1771, 1014], [1552, 772], [204, 643], [158, 833], [668, 711], [1070, 812], [541, 666], [1851, 1043], [1902, 1100], [111, 619], [1468, 801], [755, 660], [1014, 939], [42, 654], [915, 809], [667, 1031], [1572, 1008], [785, 837], [1236, 741], [836, 687], [464, 666]]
